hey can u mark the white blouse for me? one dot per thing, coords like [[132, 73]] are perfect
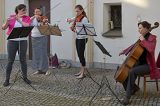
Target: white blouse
[[35, 30], [83, 21]]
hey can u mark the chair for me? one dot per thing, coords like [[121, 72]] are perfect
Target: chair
[[145, 77], [144, 84]]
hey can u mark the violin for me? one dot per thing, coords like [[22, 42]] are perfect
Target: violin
[[77, 19], [42, 19]]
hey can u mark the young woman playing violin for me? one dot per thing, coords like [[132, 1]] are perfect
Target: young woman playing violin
[[38, 15], [81, 40], [39, 44], [146, 63], [20, 19]]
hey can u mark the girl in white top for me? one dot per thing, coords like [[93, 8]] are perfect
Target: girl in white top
[[39, 45], [81, 40]]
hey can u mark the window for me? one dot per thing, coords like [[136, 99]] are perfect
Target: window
[[113, 14], [116, 16]]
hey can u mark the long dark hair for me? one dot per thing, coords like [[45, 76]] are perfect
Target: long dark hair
[[145, 24], [81, 8], [20, 7]]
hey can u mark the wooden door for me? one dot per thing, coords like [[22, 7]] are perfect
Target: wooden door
[[45, 6]]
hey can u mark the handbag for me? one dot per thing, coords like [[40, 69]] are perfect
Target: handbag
[[53, 61]]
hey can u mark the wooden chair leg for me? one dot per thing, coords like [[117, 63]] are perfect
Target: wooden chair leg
[[144, 87], [138, 80], [157, 85]]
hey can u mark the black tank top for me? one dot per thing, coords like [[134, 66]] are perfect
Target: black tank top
[[142, 59]]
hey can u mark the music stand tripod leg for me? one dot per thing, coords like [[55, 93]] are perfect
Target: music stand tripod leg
[[102, 84], [89, 75], [15, 80], [57, 80], [19, 67], [109, 87], [107, 82], [100, 88]]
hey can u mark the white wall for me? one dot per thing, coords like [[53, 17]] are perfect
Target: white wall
[[11, 4], [62, 45], [106, 17], [130, 10]]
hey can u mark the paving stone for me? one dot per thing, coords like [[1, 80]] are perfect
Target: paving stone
[[61, 88]]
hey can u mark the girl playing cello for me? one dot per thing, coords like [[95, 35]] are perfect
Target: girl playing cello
[[146, 63]]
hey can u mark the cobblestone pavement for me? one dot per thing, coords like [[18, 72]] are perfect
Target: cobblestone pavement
[[61, 88]]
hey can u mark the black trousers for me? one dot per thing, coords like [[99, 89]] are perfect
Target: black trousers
[[129, 83], [80, 46], [13, 47]]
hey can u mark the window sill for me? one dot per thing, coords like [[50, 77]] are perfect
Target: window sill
[[113, 33]]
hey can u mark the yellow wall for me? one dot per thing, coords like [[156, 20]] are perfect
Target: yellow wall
[[2, 34]]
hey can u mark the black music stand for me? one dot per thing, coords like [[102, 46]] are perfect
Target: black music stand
[[104, 80], [101, 47], [85, 29], [19, 32]]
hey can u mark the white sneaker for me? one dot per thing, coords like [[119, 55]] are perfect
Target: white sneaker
[[37, 72], [48, 73]]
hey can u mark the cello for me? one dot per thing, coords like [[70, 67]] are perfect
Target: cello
[[137, 50]]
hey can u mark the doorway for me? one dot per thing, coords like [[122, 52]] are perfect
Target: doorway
[[45, 6]]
